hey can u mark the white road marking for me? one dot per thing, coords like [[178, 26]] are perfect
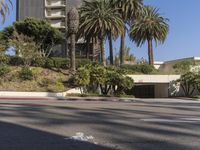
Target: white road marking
[[175, 120], [192, 119]]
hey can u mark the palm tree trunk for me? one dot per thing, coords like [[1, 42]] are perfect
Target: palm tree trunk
[[150, 52], [122, 47], [103, 58], [111, 49], [87, 49], [93, 49], [73, 49]]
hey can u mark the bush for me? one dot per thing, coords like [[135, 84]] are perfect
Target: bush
[[56, 62], [49, 63], [188, 83], [147, 69], [4, 70], [39, 62], [82, 62], [82, 79], [4, 59], [58, 86], [16, 61], [133, 69], [26, 73], [183, 67], [109, 80], [62, 63]]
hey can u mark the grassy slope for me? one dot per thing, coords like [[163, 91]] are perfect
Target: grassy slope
[[44, 80]]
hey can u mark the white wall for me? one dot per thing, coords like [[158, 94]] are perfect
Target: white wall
[[161, 90]]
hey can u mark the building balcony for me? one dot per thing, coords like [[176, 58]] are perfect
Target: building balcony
[[57, 23], [55, 17], [55, 3], [55, 13]]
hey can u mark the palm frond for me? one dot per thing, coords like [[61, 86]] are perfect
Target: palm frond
[[150, 26], [5, 9]]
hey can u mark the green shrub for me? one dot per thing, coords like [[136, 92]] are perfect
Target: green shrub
[[56, 62], [82, 62], [62, 63], [82, 79], [4, 59], [183, 67], [133, 69], [147, 69], [109, 80], [189, 82], [58, 86], [4, 70], [39, 62], [16, 61], [49, 63], [26, 73]]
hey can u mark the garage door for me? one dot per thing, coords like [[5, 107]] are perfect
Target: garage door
[[144, 91]]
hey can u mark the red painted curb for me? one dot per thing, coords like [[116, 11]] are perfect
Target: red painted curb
[[23, 98]]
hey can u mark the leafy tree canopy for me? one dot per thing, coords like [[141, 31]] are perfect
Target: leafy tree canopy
[[183, 66], [41, 31]]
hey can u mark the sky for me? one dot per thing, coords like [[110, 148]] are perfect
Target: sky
[[183, 39]]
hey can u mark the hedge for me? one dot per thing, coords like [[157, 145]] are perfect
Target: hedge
[[53, 62], [144, 69]]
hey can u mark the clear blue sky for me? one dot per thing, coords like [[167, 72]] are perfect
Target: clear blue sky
[[184, 36]]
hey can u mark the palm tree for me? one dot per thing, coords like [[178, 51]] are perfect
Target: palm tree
[[150, 27], [4, 9], [129, 9], [98, 19]]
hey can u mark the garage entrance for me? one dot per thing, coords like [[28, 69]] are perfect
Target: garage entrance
[[144, 91], [150, 91]]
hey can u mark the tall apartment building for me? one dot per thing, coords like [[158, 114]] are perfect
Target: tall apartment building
[[52, 10]]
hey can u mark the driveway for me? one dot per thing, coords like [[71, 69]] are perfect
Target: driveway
[[161, 124]]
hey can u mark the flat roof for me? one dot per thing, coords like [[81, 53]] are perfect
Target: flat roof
[[154, 78]]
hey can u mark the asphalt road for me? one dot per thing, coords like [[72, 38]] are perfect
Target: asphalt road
[[140, 125]]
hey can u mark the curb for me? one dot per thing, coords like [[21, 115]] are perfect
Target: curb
[[100, 99], [26, 98]]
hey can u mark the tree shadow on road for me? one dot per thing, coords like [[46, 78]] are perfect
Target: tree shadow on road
[[17, 137], [121, 125]]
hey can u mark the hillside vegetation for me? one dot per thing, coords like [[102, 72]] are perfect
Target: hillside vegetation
[[43, 80]]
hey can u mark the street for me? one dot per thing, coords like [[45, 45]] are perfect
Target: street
[[162, 124]]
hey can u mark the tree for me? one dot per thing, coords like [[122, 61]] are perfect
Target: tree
[[128, 56], [2, 44], [197, 81], [151, 26], [110, 80], [73, 24], [25, 48], [97, 19], [40, 30], [129, 10], [188, 83], [4, 9], [183, 67]]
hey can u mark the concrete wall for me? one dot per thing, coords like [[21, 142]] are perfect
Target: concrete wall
[[156, 79], [161, 90]]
